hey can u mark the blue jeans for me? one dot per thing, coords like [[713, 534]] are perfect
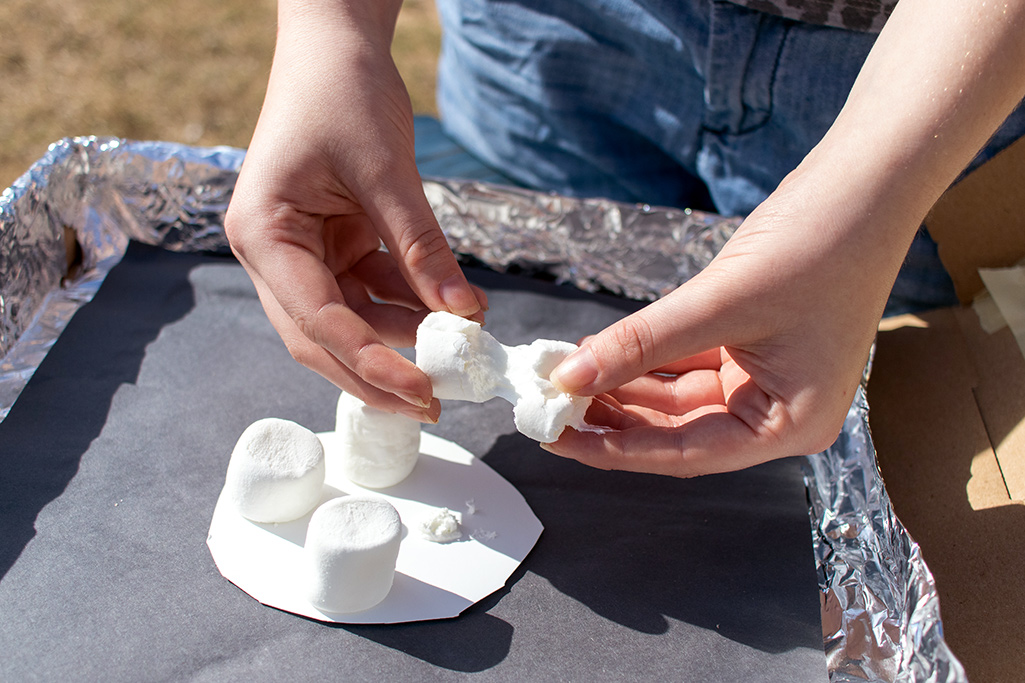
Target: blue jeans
[[694, 103]]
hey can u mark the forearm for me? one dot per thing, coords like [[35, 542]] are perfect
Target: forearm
[[373, 20], [334, 80], [790, 305], [940, 79]]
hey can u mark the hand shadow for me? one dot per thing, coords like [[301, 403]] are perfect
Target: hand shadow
[[727, 552]]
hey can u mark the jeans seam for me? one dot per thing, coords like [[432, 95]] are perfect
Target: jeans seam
[[726, 131]]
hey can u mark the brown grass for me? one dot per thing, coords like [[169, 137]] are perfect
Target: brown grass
[[190, 71]]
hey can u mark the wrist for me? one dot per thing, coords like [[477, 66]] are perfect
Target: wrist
[[372, 22]]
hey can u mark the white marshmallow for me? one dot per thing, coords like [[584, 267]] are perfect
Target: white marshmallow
[[378, 449], [539, 409], [466, 363], [349, 557], [276, 471]]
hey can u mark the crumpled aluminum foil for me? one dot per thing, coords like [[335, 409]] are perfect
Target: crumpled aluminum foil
[[641, 252], [880, 609]]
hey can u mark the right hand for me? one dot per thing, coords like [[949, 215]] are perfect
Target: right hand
[[330, 174]]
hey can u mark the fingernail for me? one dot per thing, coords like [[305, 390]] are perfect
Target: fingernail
[[415, 400], [576, 372], [418, 415], [458, 298]]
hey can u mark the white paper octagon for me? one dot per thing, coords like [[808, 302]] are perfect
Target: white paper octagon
[[432, 580]]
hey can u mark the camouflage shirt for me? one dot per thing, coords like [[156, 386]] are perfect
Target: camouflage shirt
[[857, 15]]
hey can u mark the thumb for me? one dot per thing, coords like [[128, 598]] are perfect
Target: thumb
[[671, 329]]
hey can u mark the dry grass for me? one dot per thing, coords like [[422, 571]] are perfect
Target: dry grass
[[190, 71]]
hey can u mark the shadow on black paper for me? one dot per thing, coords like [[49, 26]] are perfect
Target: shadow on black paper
[[65, 405], [717, 552]]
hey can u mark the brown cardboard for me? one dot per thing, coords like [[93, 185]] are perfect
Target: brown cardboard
[[980, 222], [948, 422], [947, 412]]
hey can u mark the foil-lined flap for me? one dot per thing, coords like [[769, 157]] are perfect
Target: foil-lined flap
[[880, 608], [640, 252]]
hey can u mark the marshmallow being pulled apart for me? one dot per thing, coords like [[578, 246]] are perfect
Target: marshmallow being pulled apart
[[466, 363]]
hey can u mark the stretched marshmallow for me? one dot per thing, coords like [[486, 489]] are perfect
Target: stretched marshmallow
[[349, 557], [466, 363], [377, 449], [276, 471]]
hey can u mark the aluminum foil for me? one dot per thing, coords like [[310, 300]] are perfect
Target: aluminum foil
[[880, 609], [641, 252]]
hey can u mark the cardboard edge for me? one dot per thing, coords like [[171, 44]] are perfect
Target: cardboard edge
[[991, 202]]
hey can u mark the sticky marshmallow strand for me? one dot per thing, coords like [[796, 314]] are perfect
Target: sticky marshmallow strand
[[541, 411], [466, 363], [352, 544], [377, 449], [276, 471]]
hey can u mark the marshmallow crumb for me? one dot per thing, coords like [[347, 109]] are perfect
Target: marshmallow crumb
[[466, 363], [482, 535], [441, 527]]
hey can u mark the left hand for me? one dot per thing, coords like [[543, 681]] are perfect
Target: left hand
[[759, 355]]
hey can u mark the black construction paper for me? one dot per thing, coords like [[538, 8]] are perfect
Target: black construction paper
[[112, 459]]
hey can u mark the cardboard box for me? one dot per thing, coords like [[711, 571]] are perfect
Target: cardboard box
[[947, 412]]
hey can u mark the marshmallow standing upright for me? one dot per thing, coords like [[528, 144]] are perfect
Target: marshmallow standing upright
[[349, 557], [276, 471], [378, 449], [466, 363]]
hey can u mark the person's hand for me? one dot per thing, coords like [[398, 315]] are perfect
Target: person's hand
[[330, 174], [758, 356]]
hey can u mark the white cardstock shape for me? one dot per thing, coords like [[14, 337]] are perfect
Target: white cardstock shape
[[432, 580]]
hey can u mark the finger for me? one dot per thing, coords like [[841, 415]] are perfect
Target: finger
[[707, 360], [607, 413], [407, 225], [675, 395], [680, 326], [482, 297], [395, 324], [295, 284], [707, 444], [347, 239], [383, 279], [319, 360]]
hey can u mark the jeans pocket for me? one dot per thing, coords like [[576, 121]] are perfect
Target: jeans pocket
[[743, 53]]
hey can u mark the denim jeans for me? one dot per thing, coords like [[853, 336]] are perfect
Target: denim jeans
[[692, 103]]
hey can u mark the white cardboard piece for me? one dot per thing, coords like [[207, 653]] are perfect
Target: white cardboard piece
[[432, 580]]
